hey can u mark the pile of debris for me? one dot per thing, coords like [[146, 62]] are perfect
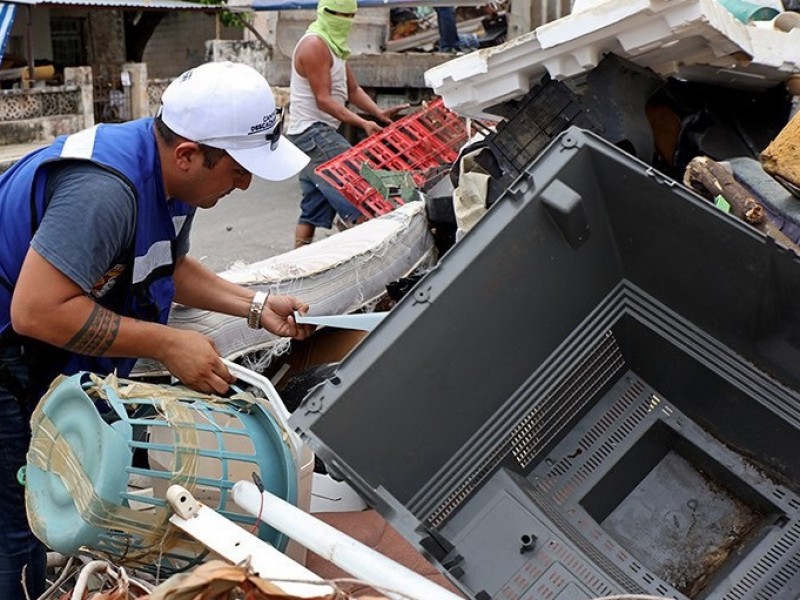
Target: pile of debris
[[632, 221], [591, 391], [416, 28], [671, 84]]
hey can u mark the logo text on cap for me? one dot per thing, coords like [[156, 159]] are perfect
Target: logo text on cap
[[267, 123]]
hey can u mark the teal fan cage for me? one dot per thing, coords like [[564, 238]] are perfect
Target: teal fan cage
[[104, 452]]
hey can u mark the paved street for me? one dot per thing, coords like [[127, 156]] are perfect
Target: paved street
[[247, 225]]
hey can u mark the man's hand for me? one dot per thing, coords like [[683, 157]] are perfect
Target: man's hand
[[277, 317], [193, 359], [371, 127], [391, 114], [385, 116]]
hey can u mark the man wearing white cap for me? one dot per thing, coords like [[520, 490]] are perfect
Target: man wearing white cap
[[93, 251], [321, 85]]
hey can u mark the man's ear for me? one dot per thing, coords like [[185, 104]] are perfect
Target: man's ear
[[185, 153]]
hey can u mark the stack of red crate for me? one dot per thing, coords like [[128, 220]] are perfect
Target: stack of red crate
[[420, 144]]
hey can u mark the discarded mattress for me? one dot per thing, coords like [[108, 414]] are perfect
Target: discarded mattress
[[336, 275], [696, 40]]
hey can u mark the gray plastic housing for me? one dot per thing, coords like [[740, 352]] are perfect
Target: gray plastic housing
[[594, 392]]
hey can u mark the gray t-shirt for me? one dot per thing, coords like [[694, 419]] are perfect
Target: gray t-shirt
[[89, 223]]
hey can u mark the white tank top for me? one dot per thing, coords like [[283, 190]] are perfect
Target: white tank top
[[303, 109]]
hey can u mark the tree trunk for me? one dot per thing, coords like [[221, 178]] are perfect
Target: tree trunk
[[139, 28]]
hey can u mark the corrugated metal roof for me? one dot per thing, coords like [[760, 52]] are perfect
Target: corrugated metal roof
[[259, 5], [126, 4]]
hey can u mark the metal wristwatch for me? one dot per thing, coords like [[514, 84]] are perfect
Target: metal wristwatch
[[256, 308]]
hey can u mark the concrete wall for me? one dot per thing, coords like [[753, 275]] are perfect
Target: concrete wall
[[179, 41], [249, 53], [385, 70], [105, 37], [42, 114], [368, 36], [42, 129], [527, 16]]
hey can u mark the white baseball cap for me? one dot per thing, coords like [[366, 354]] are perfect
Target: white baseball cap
[[230, 106]]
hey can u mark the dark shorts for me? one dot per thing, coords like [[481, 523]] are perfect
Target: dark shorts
[[321, 202]]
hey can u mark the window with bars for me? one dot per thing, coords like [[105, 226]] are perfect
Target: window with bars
[[69, 49]]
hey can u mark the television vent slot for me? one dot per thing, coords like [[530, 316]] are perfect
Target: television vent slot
[[544, 422], [788, 543], [609, 422], [541, 425], [466, 487], [592, 552], [579, 568]]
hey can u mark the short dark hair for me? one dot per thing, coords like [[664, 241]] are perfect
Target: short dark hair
[[211, 156]]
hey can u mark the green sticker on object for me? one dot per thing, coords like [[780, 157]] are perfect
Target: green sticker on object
[[21, 476], [722, 204]]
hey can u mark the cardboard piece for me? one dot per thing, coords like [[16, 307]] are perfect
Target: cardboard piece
[[326, 345], [782, 157]]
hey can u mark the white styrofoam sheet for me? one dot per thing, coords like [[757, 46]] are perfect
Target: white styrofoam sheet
[[691, 39]]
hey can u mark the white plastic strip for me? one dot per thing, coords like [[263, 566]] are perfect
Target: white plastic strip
[[360, 321], [178, 222], [390, 578]]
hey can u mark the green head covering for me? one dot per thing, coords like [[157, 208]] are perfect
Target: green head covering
[[334, 29]]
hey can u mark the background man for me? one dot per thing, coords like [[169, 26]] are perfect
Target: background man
[[449, 38], [93, 250], [321, 85]]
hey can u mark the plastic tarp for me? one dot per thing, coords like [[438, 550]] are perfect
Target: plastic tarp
[[7, 13]]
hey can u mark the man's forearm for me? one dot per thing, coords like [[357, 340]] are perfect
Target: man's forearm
[[199, 287], [341, 113], [102, 332], [98, 333], [363, 101], [188, 355], [106, 333]]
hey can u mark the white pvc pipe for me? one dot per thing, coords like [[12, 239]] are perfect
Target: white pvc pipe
[[83, 579], [390, 578]]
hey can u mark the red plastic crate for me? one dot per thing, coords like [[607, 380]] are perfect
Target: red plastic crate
[[421, 144]]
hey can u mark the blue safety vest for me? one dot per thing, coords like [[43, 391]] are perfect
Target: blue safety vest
[[141, 285]]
